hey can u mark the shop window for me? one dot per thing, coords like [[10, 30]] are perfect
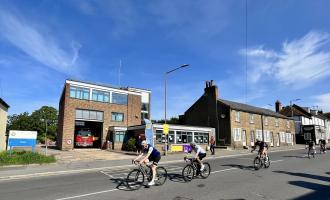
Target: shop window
[[171, 137], [201, 138]]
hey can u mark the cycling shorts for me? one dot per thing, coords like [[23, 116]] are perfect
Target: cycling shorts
[[154, 160], [201, 156]]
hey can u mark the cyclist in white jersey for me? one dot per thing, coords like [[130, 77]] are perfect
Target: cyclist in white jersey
[[200, 154]]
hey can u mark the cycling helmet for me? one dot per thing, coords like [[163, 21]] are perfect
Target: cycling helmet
[[258, 140], [143, 142], [193, 144]]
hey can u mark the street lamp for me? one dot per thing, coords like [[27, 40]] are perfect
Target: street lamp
[[291, 101], [165, 77]]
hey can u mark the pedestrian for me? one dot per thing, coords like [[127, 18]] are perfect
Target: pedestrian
[[138, 145], [212, 145]]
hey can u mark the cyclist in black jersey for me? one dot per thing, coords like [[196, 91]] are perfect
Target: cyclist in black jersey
[[263, 147], [152, 155]]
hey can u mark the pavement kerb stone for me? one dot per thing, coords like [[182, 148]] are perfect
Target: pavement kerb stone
[[52, 173]]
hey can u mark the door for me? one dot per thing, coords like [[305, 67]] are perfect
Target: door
[[271, 139], [252, 138], [244, 138], [278, 140]]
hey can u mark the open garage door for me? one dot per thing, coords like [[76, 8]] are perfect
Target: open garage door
[[88, 129]]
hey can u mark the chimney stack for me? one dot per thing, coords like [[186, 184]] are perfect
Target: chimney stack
[[278, 106], [211, 89]]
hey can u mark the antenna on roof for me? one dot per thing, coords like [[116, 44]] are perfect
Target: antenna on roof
[[1, 87], [119, 73]]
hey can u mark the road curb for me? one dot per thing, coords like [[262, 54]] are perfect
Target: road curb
[[63, 172]]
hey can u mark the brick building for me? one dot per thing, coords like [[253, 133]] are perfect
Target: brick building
[[238, 124], [100, 112], [3, 123]]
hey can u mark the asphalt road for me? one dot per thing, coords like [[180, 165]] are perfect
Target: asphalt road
[[291, 176]]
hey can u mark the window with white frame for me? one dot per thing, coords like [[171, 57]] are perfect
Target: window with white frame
[[276, 122], [237, 134], [259, 134], [238, 116], [267, 136], [266, 121], [251, 118], [288, 138], [282, 137]]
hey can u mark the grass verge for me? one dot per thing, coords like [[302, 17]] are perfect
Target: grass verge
[[24, 158]]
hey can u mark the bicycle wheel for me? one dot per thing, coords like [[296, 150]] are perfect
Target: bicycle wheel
[[207, 170], [188, 173], [267, 162], [161, 176], [135, 179], [257, 163]]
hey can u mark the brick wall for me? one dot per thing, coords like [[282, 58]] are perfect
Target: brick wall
[[67, 107], [245, 124]]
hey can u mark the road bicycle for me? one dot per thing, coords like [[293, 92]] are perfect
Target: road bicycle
[[136, 178], [261, 161], [311, 151], [323, 148], [192, 169]]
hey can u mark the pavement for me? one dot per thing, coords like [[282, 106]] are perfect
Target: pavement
[[84, 160], [291, 175]]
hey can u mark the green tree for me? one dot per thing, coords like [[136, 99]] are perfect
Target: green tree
[[42, 116], [36, 122], [21, 122]]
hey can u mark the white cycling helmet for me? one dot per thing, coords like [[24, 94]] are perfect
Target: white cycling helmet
[[143, 142]]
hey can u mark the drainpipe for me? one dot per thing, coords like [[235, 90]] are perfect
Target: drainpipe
[[262, 127]]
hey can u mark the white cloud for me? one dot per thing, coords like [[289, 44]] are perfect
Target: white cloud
[[300, 62], [41, 46], [323, 101]]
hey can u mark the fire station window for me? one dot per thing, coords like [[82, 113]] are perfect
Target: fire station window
[[119, 98], [100, 96], [120, 135], [117, 117], [79, 93]]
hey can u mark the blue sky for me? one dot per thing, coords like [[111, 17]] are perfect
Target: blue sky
[[42, 43]]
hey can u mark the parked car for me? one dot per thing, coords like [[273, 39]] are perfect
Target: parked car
[[84, 138]]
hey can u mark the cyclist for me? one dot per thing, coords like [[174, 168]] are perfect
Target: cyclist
[[323, 145], [152, 155], [263, 146], [200, 154]]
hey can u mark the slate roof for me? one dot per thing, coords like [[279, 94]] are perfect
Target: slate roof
[[296, 111], [251, 109], [4, 103]]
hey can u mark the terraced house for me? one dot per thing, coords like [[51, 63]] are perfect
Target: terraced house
[[239, 125]]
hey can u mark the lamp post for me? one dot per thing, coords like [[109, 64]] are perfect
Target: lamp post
[[165, 77]]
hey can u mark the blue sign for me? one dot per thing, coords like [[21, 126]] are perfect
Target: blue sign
[[149, 132], [22, 139]]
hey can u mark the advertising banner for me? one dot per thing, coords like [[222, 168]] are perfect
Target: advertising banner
[[149, 132]]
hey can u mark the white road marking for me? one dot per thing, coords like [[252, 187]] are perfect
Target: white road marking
[[223, 170], [43, 174], [88, 194], [113, 190]]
